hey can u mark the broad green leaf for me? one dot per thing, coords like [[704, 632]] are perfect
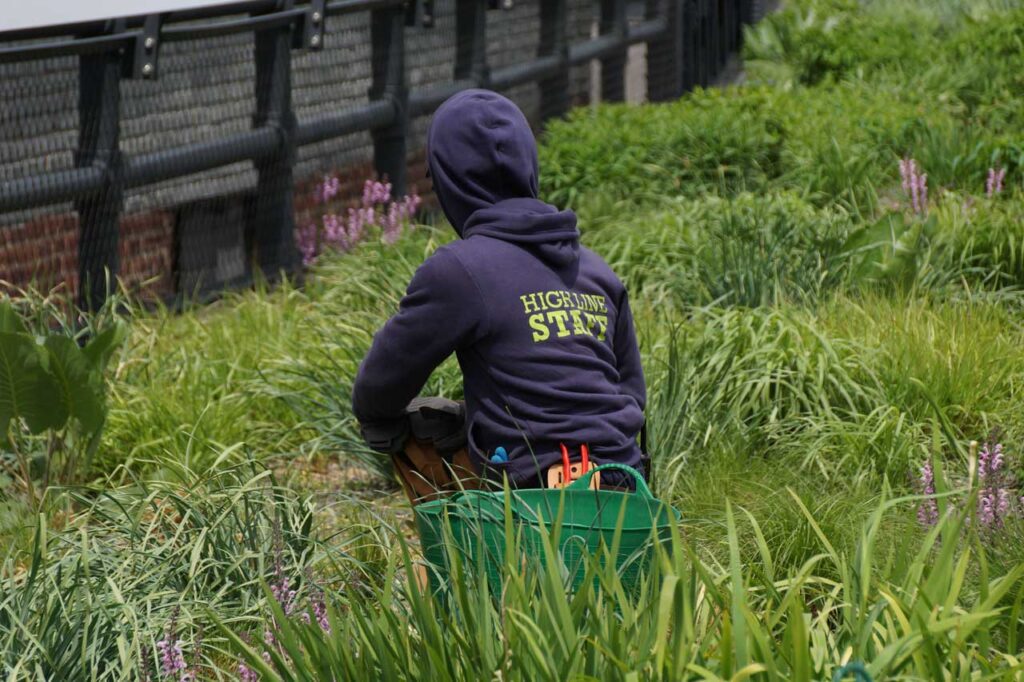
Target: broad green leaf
[[10, 320], [80, 387], [27, 389], [102, 346]]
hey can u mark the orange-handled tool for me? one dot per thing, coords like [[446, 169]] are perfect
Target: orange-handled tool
[[569, 472]]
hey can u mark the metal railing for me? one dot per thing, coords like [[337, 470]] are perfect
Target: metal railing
[[690, 39]]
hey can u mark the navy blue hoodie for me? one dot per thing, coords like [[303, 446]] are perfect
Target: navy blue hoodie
[[540, 325]]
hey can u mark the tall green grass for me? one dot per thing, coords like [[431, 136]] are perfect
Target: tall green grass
[[100, 584], [906, 614]]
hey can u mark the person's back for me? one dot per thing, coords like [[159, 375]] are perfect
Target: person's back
[[541, 326]]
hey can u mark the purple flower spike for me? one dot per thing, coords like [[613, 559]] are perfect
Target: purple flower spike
[[994, 183], [307, 244], [994, 495], [392, 224], [905, 173], [377, 210], [915, 184], [172, 660], [328, 189], [284, 595], [320, 611], [928, 511]]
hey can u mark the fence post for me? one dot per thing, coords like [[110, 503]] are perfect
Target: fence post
[[740, 10], [99, 130], [728, 29], [470, 42], [665, 55], [713, 35], [613, 67], [751, 13], [554, 91], [691, 45], [705, 58], [273, 217], [387, 37], [744, 17]]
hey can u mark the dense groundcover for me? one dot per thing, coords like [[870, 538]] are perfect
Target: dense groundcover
[[825, 265]]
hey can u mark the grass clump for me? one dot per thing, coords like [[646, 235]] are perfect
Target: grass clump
[[692, 618]]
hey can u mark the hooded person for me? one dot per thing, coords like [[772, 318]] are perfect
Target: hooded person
[[540, 325]]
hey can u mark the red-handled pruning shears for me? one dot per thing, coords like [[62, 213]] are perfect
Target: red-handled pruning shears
[[571, 471]]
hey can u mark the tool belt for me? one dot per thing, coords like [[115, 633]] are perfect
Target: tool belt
[[428, 447]]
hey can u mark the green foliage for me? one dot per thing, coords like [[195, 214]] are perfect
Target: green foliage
[[713, 140], [48, 383], [809, 340], [749, 250], [28, 390], [89, 600], [903, 615], [811, 41]]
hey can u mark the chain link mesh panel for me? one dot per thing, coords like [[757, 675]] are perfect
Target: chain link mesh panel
[[196, 174]]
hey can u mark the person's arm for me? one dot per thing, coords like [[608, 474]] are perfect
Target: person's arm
[[627, 355], [439, 313]]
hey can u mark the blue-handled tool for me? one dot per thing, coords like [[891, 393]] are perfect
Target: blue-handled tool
[[500, 456]]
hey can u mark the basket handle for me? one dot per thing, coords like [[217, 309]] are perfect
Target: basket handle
[[488, 506], [641, 485]]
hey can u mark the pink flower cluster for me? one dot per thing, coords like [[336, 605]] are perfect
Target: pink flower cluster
[[996, 496], [915, 184], [319, 612], [928, 510], [172, 656], [286, 597], [994, 182], [172, 660], [376, 211]]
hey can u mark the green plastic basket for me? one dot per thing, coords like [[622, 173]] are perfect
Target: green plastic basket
[[583, 519]]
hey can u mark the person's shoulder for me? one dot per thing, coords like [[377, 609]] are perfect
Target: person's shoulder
[[476, 252], [445, 264], [598, 268], [452, 254]]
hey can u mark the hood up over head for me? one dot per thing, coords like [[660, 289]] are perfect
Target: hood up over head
[[482, 157]]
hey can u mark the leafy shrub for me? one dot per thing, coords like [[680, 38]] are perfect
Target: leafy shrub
[[835, 144], [987, 53], [49, 384], [957, 154], [961, 240], [724, 141], [827, 40]]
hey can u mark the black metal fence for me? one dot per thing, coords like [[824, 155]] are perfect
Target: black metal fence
[[687, 43]]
